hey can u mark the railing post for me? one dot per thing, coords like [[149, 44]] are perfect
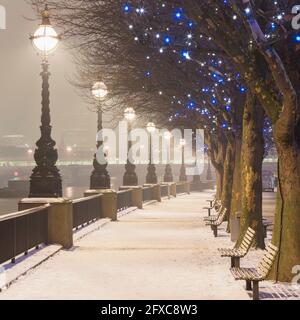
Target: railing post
[[108, 202], [60, 218], [109, 205], [188, 187], [136, 195], [162, 186], [156, 191], [173, 190]]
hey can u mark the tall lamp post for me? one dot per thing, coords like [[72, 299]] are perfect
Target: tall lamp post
[[196, 176], [151, 177], [130, 177], [100, 178], [45, 181], [168, 176], [183, 176]]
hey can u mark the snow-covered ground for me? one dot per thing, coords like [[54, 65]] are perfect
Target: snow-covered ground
[[162, 252]]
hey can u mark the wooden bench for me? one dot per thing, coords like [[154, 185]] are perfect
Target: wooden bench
[[237, 253], [255, 275], [215, 204], [216, 223], [212, 202], [266, 225], [215, 216]]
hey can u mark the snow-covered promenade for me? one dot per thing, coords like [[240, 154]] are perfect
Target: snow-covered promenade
[[161, 252]]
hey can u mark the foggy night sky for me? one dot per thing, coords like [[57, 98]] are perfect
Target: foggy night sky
[[20, 83]]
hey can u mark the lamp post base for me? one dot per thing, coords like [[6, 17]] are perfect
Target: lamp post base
[[130, 177], [45, 186], [151, 177], [100, 180], [168, 177], [183, 176]]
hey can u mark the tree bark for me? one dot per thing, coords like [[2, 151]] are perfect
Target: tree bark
[[228, 178], [252, 158], [219, 182], [236, 199], [286, 235]]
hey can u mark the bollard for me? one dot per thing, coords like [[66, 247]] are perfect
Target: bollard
[[60, 218]]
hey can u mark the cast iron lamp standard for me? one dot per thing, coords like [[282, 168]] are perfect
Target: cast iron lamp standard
[[196, 176], [130, 177], [183, 176], [45, 181], [168, 176], [151, 177], [100, 178]]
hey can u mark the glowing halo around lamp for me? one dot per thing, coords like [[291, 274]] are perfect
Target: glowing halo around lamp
[[151, 127], [129, 114], [168, 135], [45, 39], [182, 142], [99, 90]]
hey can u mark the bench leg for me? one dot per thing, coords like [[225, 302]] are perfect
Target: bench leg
[[235, 262], [248, 285], [255, 290], [265, 231], [215, 230], [209, 213]]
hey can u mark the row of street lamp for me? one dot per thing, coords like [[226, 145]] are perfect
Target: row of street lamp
[[46, 180]]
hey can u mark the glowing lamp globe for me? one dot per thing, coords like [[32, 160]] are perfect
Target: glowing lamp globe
[[167, 135], [129, 114], [182, 142], [151, 127], [99, 90], [45, 39]]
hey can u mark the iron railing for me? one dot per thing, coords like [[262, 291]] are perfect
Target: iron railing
[[180, 187], [164, 190], [86, 210], [22, 231], [124, 200], [147, 194]]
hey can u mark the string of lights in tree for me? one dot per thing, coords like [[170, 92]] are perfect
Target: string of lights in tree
[[168, 31]]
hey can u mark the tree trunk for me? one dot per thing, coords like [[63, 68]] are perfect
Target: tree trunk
[[252, 158], [219, 182], [228, 178], [286, 234], [236, 199]]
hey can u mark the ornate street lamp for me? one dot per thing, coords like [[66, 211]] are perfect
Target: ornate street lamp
[[130, 177], [45, 181], [183, 176], [168, 176], [196, 177], [151, 177], [100, 178]]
